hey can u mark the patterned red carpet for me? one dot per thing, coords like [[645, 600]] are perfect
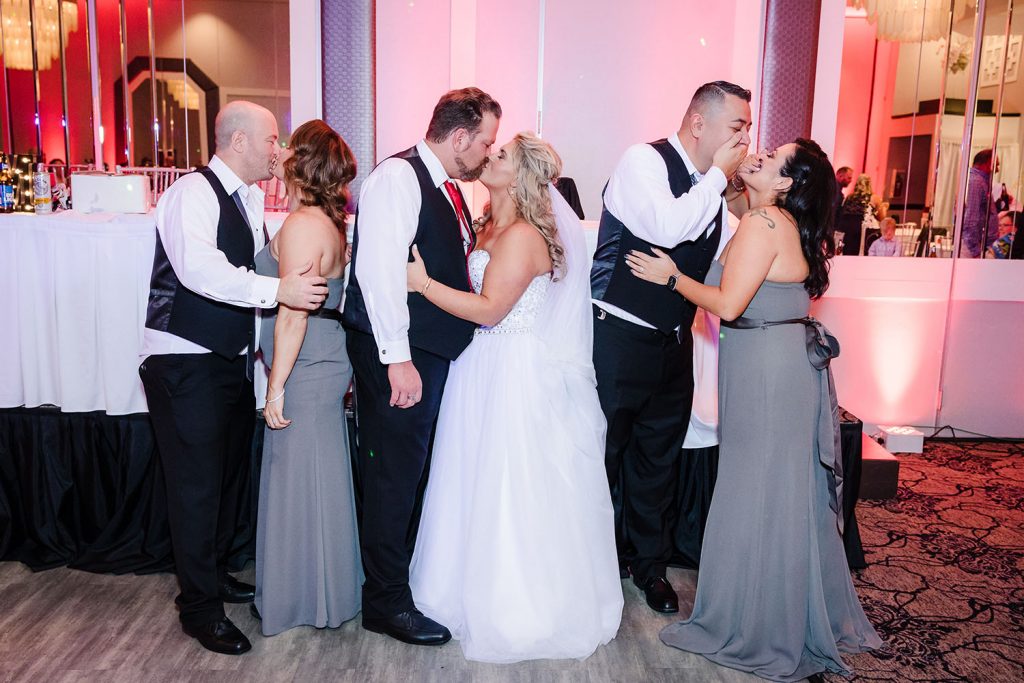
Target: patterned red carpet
[[945, 579]]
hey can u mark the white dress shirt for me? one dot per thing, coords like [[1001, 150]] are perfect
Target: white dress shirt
[[639, 195], [186, 220], [389, 212]]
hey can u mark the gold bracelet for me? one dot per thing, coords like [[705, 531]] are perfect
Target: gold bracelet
[[423, 292]]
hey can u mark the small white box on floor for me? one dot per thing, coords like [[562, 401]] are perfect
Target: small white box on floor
[[106, 192], [902, 439]]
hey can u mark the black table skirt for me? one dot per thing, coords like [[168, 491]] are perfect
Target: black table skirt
[[697, 473], [86, 490]]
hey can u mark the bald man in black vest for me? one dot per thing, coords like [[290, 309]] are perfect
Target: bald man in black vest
[[200, 338]]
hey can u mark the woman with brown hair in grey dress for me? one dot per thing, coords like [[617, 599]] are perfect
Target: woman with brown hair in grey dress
[[774, 594], [308, 569]]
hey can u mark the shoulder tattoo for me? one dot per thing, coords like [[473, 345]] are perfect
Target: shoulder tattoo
[[764, 214]]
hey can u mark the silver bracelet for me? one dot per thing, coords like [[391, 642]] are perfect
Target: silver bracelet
[[276, 398]]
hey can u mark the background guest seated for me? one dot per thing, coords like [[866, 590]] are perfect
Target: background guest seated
[[887, 244], [1001, 248]]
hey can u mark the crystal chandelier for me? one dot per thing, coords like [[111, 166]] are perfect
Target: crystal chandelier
[[17, 37], [185, 96], [913, 21]]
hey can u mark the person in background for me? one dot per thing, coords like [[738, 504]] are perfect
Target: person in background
[[862, 204], [1005, 200], [844, 176], [1005, 232], [887, 244], [981, 218], [1017, 246]]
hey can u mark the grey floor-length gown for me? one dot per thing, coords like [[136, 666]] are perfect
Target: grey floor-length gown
[[308, 568], [774, 594]]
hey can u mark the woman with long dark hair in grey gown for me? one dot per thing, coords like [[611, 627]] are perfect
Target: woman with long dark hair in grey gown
[[308, 569], [774, 594]]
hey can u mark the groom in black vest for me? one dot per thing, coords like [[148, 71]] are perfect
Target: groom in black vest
[[666, 194], [401, 346], [200, 337]]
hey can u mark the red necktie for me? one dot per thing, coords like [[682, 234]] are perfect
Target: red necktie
[[464, 229]]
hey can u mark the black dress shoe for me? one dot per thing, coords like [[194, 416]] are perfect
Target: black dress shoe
[[410, 627], [661, 597], [234, 591], [255, 612], [623, 571], [219, 636]]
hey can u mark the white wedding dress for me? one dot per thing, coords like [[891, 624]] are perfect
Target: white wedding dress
[[516, 549]]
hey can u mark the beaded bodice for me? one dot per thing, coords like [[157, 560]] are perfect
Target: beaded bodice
[[524, 313]]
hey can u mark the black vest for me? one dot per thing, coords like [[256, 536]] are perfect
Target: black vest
[[611, 279], [223, 328], [439, 240]]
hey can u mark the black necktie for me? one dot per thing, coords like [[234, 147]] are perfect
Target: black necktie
[[250, 351]]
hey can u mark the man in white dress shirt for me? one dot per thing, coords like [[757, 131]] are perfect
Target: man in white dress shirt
[[401, 345], [668, 194], [200, 337]]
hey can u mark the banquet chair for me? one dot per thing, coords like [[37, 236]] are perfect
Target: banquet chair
[[906, 235]]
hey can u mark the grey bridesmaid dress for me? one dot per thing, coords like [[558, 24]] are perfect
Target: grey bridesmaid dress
[[774, 594], [308, 567]]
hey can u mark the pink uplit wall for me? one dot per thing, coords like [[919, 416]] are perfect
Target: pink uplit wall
[[613, 73], [854, 93], [898, 366], [625, 74], [506, 60], [413, 69], [890, 318]]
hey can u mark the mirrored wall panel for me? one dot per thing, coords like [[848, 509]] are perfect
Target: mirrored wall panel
[[136, 83], [929, 128]]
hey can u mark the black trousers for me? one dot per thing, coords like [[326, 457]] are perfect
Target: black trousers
[[203, 411], [394, 460], [698, 470], [645, 385]]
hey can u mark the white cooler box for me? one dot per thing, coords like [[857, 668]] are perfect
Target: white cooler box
[[109, 193]]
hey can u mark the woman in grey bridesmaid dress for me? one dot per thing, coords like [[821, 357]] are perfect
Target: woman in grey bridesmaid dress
[[308, 569], [774, 594]]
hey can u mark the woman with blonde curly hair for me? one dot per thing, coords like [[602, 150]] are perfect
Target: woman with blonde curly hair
[[308, 570], [516, 547]]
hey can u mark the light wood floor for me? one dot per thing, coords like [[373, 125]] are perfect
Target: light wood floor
[[67, 625]]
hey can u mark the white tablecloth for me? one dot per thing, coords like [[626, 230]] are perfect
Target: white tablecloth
[[74, 302], [73, 293]]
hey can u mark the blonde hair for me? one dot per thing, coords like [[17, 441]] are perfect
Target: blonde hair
[[537, 165], [863, 186]]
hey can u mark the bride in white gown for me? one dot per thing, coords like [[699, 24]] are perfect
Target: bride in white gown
[[516, 548]]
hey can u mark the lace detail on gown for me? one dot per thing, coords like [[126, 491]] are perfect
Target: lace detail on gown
[[524, 313]]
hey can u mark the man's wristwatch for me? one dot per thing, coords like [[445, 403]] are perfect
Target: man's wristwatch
[[672, 280]]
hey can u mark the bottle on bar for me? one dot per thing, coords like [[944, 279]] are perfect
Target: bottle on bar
[[6, 185], [42, 196]]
